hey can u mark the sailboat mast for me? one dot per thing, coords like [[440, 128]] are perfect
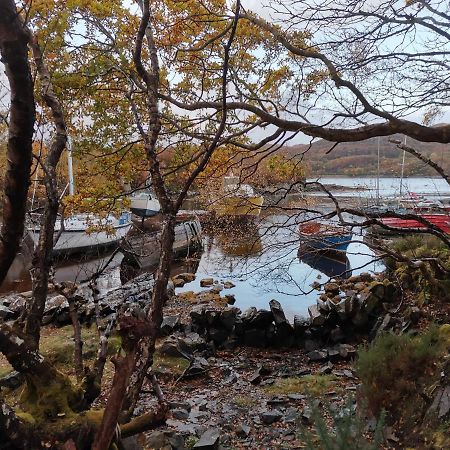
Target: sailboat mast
[[70, 166], [403, 171], [378, 172]]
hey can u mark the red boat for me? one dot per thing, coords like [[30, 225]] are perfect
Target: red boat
[[441, 221]]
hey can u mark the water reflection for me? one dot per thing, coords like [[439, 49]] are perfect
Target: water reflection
[[76, 269], [331, 265], [244, 240]]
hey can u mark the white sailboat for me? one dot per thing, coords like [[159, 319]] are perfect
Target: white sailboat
[[80, 232]]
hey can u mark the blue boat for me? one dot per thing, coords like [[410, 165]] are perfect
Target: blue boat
[[325, 237]]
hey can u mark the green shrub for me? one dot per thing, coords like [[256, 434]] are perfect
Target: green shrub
[[394, 371], [347, 430]]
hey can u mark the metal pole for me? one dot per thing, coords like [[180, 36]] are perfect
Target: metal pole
[[70, 166], [403, 171], [378, 173]]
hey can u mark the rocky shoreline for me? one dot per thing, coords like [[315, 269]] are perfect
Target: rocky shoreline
[[247, 379]]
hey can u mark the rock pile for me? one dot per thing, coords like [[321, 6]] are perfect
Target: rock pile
[[343, 309], [134, 294]]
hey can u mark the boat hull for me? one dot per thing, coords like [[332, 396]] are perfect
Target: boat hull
[[76, 241], [239, 206], [441, 221], [82, 232], [144, 205], [144, 248], [337, 243]]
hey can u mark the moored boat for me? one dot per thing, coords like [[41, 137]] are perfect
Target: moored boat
[[81, 232], [441, 221], [144, 204], [325, 237]]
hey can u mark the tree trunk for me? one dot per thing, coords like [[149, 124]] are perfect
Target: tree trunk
[[42, 258], [14, 53]]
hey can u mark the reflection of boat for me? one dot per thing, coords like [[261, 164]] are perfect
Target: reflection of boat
[[238, 200], [336, 265], [144, 204], [83, 231], [244, 240], [142, 249], [325, 237]]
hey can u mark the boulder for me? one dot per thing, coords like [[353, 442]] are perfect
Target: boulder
[[12, 381], [278, 313], [317, 318], [332, 288], [187, 277], [228, 317], [228, 285], [255, 337], [269, 417], [206, 282], [261, 319], [317, 355]]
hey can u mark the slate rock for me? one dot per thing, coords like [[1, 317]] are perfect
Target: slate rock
[[6, 313], [12, 381], [317, 318], [269, 417], [169, 324], [317, 355], [326, 369], [180, 405], [278, 313], [242, 430], [209, 440], [260, 319], [255, 338]]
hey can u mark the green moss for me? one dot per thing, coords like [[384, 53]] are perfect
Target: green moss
[[190, 441], [308, 384], [176, 365], [244, 401]]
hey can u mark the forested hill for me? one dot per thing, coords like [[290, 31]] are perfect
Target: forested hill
[[360, 158]]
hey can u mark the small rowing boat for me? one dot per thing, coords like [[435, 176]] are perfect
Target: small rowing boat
[[325, 237]]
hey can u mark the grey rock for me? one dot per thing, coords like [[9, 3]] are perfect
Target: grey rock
[[347, 351], [180, 405], [228, 317], [277, 312], [326, 369], [242, 430], [317, 318], [337, 335], [296, 397], [209, 440], [169, 324], [317, 355], [255, 338], [180, 414], [157, 440], [5, 312], [269, 417], [132, 443], [12, 381], [260, 319]]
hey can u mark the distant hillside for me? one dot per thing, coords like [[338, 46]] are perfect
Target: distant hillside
[[360, 158]]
